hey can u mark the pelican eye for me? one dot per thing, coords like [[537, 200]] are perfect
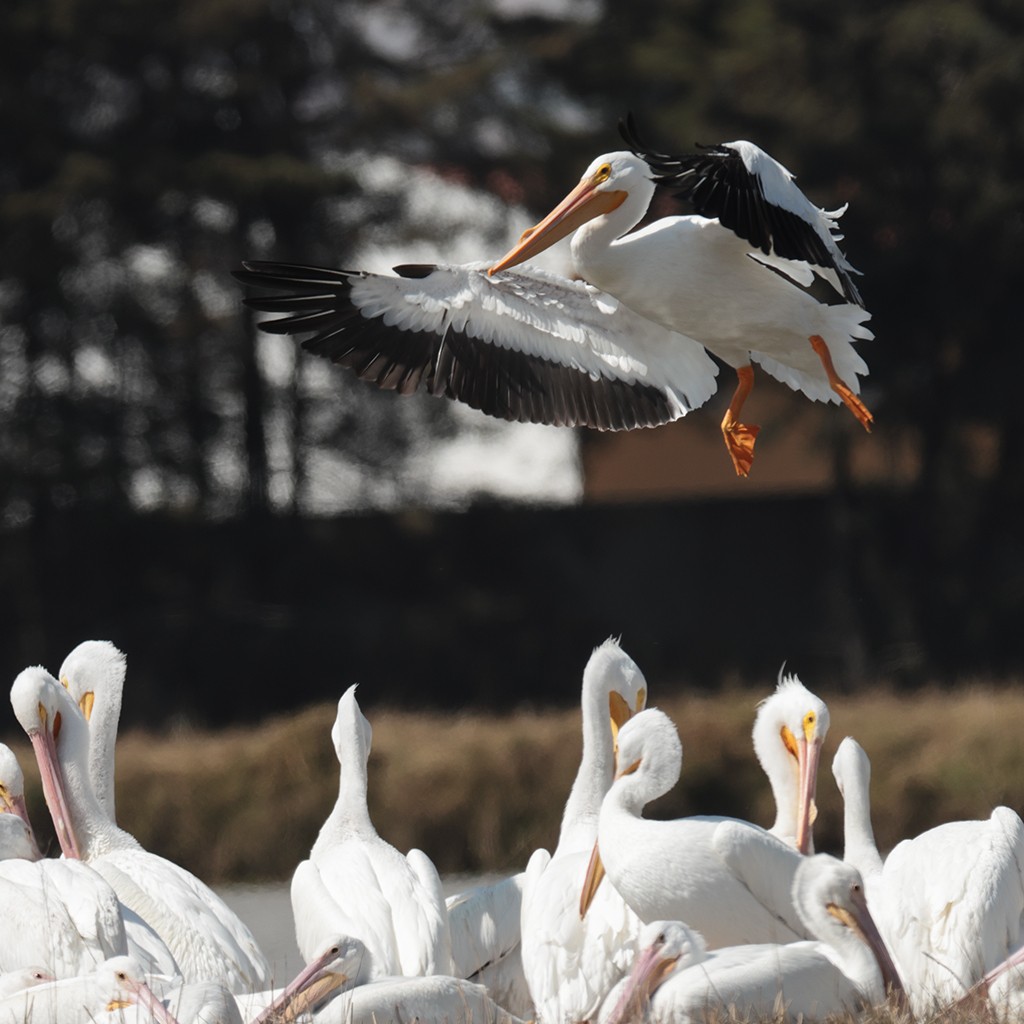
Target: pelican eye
[[810, 724], [604, 172]]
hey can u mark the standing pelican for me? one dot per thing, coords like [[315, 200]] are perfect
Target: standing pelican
[[623, 347], [93, 673], [571, 962], [728, 879], [789, 729], [845, 970], [204, 937], [949, 902], [357, 884]]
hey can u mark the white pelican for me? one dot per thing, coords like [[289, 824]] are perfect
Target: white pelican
[[728, 879], [484, 922], [571, 962], [949, 902], [205, 939], [118, 983], [623, 347], [93, 673], [16, 836], [355, 999], [789, 729], [846, 970], [359, 885], [21, 979]]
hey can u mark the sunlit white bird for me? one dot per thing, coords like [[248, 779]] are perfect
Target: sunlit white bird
[[117, 984], [624, 346], [339, 993], [571, 961], [204, 937], [16, 836], [729, 879], [484, 922], [789, 730], [845, 970], [357, 884], [93, 673], [949, 902]]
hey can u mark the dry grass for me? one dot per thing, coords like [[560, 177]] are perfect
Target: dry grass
[[479, 792]]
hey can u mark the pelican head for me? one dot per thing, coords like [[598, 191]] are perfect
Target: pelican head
[[606, 184], [338, 967], [789, 731], [40, 705]]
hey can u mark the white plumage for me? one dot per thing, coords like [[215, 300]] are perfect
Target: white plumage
[[844, 970], [624, 347], [571, 961], [949, 902], [357, 884], [205, 939], [728, 879]]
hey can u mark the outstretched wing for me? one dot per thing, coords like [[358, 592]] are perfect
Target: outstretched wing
[[753, 195], [520, 345]]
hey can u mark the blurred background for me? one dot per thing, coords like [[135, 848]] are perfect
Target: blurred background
[[257, 530]]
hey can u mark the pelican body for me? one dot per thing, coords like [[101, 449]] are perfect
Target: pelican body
[[356, 883], [728, 879], [625, 345], [844, 970]]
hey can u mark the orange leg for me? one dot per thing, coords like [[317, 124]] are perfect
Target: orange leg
[[853, 403], [739, 438]]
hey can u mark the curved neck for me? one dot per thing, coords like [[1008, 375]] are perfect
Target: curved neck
[[859, 848], [95, 831], [592, 245], [781, 769], [594, 776]]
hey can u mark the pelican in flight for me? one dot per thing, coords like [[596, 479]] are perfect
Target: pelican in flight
[[790, 727], [845, 969], [728, 879], [625, 345]]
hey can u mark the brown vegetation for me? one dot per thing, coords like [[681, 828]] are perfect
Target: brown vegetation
[[480, 792]]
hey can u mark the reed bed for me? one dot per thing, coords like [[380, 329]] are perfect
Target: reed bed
[[479, 792]]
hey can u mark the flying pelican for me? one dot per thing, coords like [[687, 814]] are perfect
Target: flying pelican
[[16, 836], [844, 970], [357, 884], [728, 879], [571, 962], [205, 939], [623, 347], [789, 729], [949, 902], [117, 983]]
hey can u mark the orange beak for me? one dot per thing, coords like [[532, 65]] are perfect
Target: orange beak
[[583, 203]]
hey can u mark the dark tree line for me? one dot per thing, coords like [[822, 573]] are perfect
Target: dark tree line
[[147, 147]]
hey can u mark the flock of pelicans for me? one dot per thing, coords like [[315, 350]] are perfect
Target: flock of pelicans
[[628, 919]]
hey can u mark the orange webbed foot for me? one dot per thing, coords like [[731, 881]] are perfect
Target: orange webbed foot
[[739, 442]]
